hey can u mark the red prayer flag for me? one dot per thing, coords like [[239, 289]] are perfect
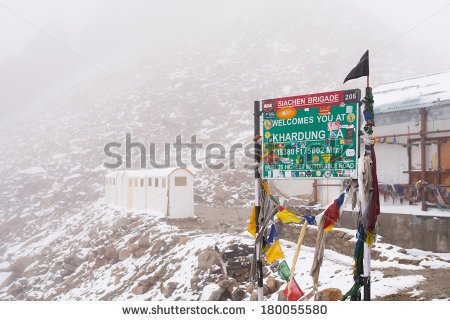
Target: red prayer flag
[[375, 206], [331, 215], [296, 292]]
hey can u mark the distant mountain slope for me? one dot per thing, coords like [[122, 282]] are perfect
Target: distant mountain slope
[[203, 84]]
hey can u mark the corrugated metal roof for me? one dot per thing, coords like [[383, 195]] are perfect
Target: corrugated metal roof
[[425, 91]]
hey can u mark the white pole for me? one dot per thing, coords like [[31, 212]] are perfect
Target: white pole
[[366, 271]]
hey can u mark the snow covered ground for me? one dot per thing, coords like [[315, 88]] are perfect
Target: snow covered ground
[[150, 255]]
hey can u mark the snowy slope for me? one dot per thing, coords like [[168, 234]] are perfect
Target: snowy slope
[[51, 169], [88, 257]]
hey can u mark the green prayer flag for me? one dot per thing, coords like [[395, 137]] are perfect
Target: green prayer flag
[[284, 271], [353, 293]]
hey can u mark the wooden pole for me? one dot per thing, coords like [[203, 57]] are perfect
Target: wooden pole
[[423, 155], [297, 251]]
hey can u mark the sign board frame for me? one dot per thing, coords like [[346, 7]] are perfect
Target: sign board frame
[[312, 136]]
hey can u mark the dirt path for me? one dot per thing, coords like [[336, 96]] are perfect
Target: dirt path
[[216, 220]]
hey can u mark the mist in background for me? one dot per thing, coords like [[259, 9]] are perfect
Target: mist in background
[[49, 46]]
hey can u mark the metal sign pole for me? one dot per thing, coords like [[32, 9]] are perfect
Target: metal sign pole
[[366, 257], [257, 113], [366, 272]]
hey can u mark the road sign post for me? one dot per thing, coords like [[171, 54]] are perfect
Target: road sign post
[[257, 124]]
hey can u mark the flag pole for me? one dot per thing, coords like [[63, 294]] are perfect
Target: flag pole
[[367, 256], [256, 114]]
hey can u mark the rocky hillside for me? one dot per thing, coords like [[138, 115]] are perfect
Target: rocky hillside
[[57, 241], [103, 253]]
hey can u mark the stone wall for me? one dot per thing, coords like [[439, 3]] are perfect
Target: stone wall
[[338, 241], [422, 232]]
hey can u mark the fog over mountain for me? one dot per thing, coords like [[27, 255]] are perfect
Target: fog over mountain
[[35, 58], [76, 77], [159, 70]]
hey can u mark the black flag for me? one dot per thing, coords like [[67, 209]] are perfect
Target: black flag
[[361, 69]]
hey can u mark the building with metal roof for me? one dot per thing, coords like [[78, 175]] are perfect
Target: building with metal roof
[[413, 93], [412, 118]]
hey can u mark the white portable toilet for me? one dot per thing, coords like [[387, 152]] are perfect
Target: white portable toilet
[[169, 191], [132, 190], [110, 181], [181, 193]]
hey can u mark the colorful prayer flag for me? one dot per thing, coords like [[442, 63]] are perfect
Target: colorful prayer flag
[[375, 206], [332, 213], [287, 216], [369, 238], [252, 224], [274, 252], [265, 187], [284, 271], [296, 292], [331, 216]]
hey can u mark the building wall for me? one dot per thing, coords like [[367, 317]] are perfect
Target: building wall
[[181, 198], [139, 194], [132, 191], [392, 159], [327, 194], [123, 190], [157, 196]]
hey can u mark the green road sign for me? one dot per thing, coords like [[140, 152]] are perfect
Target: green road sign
[[311, 136]]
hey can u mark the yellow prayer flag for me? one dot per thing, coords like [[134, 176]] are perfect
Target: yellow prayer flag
[[369, 239], [287, 216], [265, 187], [274, 252], [252, 224], [329, 227]]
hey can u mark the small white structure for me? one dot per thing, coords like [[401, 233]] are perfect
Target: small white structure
[[168, 190]]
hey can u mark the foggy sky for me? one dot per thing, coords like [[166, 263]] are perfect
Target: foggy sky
[[108, 34]]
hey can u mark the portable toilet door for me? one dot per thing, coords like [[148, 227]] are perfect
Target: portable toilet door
[[123, 189], [130, 191], [159, 195], [107, 189], [148, 192], [112, 188], [139, 193], [181, 194], [117, 189]]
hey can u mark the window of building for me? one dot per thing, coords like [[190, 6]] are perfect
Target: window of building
[[142, 182], [180, 181], [149, 182], [114, 181], [156, 182], [163, 183]]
